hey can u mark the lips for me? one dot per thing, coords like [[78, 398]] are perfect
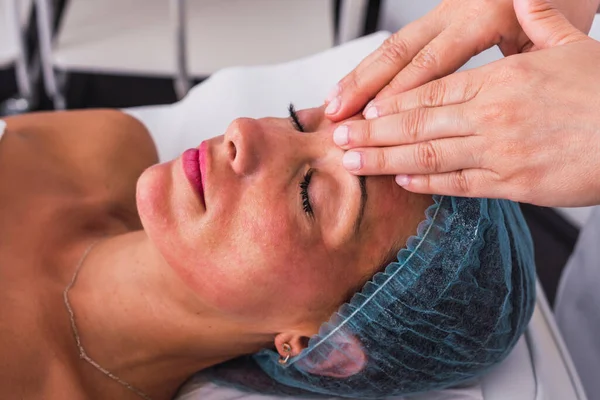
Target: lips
[[202, 163], [192, 160]]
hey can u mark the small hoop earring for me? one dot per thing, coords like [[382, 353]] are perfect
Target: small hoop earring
[[286, 348], [283, 361]]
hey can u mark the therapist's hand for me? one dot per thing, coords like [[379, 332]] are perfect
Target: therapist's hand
[[438, 44], [525, 128]]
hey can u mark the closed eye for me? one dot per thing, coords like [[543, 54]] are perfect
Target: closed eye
[[295, 120], [306, 205]]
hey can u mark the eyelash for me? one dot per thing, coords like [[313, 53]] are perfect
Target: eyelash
[[304, 184], [304, 193], [295, 119]]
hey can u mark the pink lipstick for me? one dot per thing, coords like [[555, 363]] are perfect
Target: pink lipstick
[[191, 160]]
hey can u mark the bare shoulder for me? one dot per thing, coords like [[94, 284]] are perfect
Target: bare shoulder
[[92, 147], [84, 135], [76, 155]]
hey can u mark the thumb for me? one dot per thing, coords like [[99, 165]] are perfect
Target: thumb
[[545, 25]]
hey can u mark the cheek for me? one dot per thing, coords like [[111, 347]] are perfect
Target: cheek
[[241, 258], [266, 270]]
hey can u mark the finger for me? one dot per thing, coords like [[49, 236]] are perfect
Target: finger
[[453, 89], [431, 157], [545, 25], [413, 126], [377, 70], [463, 183], [442, 56]]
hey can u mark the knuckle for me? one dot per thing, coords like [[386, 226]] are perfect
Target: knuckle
[[426, 183], [396, 85], [381, 161], [460, 182], [425, 59], [394, 51], [486, 154], [432, 94], [367, 133], [413, 124], [517, 68], [521, 69], [350, 82], [506, 112], [470, 88], [522, 183], [516, 188], [427, 158], [494, 113], [389, 107]]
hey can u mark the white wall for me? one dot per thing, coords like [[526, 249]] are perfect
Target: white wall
[[595, 31]]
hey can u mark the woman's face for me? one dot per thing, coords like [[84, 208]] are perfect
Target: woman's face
[[281, 234]]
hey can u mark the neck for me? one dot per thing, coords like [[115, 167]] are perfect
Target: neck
[[140, 321]]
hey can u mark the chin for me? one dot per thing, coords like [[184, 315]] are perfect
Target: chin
[[156, 199], [153, 203]]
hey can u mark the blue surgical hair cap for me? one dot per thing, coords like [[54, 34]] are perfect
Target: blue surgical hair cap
[[452, 305]]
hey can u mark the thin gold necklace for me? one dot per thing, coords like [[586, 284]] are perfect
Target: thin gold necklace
[[82, 352]]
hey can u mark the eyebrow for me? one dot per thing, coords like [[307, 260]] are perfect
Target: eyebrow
[[362, 181]]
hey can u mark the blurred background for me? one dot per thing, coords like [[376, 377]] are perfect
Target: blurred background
[[122, 53], [72, 54]]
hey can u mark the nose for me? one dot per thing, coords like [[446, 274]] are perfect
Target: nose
[[242, 138]]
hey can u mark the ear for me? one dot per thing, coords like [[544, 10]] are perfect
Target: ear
[[296, 341], [340, 357]]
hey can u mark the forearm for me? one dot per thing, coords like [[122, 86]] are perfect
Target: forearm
[[579, 12], [596, 5]]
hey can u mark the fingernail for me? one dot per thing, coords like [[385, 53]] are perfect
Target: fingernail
[[333, 94], [333, 106], [371, 112], [352, 160], [402, 180], [341, 135]]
